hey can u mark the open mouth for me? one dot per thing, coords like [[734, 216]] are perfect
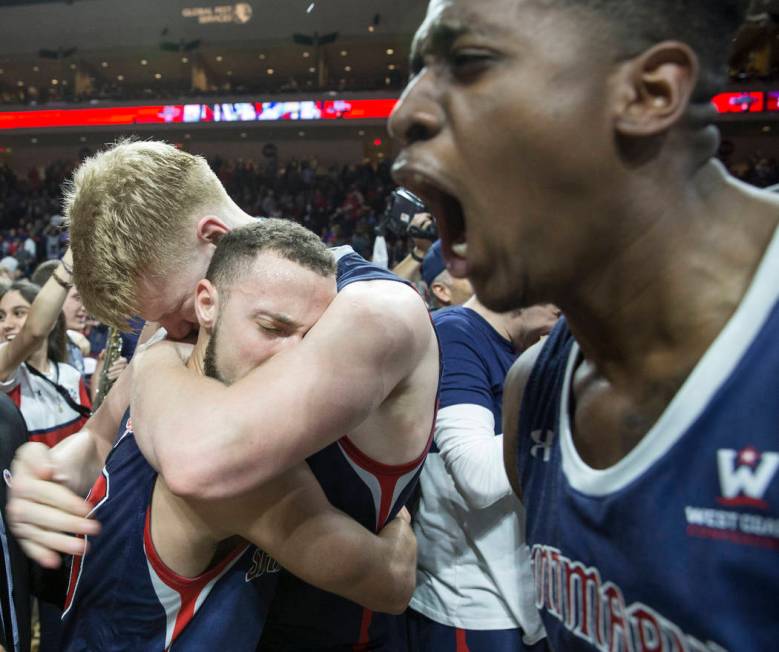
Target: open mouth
[[449, 216]]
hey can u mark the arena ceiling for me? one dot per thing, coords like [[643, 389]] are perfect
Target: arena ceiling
[[282, 44]]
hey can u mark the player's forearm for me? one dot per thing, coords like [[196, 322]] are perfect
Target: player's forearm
[[197, 449], [376, 572], [211, 441]]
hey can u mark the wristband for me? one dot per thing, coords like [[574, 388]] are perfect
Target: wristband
[[415, 256], [60, 282], [66, 267]]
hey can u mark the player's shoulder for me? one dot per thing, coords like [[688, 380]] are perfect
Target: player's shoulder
[[388, 299]]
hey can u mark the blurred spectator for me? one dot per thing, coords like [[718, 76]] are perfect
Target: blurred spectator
[[475, 589], [445, 289]]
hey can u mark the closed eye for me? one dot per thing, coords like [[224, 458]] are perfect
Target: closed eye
[[469, 64]]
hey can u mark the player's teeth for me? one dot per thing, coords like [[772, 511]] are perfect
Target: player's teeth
[[461, 249]]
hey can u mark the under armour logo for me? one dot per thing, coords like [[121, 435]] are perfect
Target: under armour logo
[[543, 439]]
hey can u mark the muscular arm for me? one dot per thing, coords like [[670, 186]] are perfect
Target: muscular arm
[[291, 519], [224, 440], [513, 389]]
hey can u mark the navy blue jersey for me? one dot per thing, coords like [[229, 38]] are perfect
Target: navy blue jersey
[[303, 617], [676, 547], [123, 597], [474, 367]]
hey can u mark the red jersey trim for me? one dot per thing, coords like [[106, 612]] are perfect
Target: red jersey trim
[[379, 468], [173, 579]]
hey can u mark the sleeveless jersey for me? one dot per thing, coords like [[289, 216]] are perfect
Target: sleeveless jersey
[[676, 547], [306, 618], [122, 596]]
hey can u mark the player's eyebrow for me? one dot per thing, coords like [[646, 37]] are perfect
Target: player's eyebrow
[[283, 319], [436, 38], [439, 35]]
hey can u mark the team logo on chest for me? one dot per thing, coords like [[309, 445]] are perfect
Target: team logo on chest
[[744, 479], [745, 475]]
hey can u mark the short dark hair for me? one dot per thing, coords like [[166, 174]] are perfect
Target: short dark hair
[[707, 27], [289, 240]]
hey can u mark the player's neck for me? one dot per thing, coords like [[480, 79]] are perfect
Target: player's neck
[[651, 311]]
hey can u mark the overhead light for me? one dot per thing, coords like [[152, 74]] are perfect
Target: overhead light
[[33, 140], [83, 139], [306, 54], [348, 68], [344, 53], [387, 81], [270, 71], [391, 66], [157, 75], [1, 71], [261, 56], [361, 132], [64, 82], [144, 62], [229, 73], [20, 83], [54, 82], [243, 134], [72, 66], [187, 136], [35, 68], [390, 51], [312, 69], [219, 57], [184, 60], [104, 64], [120, 77], [371, 28], [301, 133]]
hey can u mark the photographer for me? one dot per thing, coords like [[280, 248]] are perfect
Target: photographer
[[407, 217], [409, 267]]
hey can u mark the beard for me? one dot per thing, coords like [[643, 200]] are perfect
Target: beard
[[210, 365]]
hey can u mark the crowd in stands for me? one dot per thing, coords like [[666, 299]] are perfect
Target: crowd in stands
[[758, 169], [113, 91], [342, 204]]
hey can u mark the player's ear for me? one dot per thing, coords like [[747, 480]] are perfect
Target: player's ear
[[654, 89], [210, 229], [206, 303]]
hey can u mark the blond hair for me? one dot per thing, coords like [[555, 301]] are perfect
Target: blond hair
[[129, 209]]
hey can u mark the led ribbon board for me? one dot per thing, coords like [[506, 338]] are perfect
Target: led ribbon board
[[127, 116]]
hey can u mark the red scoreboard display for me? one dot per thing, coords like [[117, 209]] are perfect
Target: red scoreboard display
[[746, 102]]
